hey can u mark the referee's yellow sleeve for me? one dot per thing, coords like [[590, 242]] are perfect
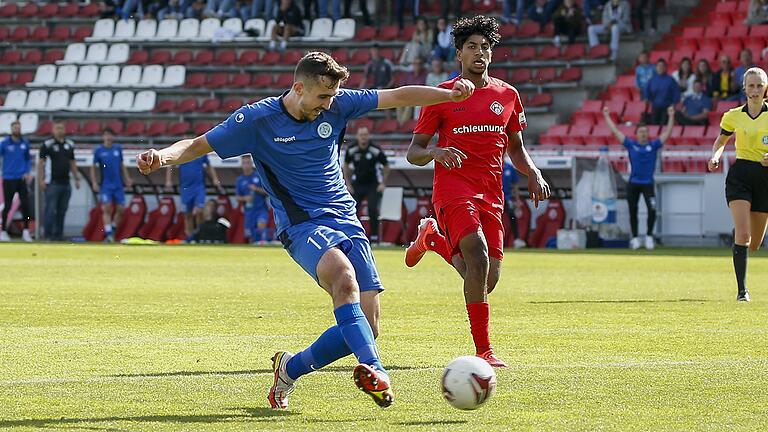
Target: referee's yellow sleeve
[[726, 122]]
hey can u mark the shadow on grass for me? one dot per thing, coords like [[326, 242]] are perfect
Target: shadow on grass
[[248, 414], [432, 423], [620, 301], [244, 372]]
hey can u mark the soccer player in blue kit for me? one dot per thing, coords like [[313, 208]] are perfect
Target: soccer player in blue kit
[[294, 141], [114, 176], [192, 191], [254, 198]]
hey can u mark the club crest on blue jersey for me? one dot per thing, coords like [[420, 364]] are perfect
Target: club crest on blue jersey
[[324, 129]]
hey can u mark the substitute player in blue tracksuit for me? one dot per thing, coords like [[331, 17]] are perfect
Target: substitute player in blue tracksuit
[[14, 151], [254, 198], [108, 157], [294, 141]]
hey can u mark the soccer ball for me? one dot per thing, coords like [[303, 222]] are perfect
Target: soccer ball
[[468, 382]]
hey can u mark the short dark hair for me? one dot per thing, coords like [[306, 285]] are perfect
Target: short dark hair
[[15, 122], [662, 61], [641, 124], [478, 25], [317, 64], [108, 130]]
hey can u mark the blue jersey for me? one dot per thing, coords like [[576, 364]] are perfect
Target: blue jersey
[[298, 161], [643, 160], [508, 178], [192, 174], [15, 155], [110, 160], [258, 201]]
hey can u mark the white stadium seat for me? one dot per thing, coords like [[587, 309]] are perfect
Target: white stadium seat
[[144, 101], [57, 100], [235, 25], [97, 53], [122, 101], [29, 122], [257, 24], [152, 76], [75, 53], [267, 35], [101, 100], [207, 27], [343, 29], [66, 76], [188, 29], [109, 76], [118, 53], [321, 29], [124, 30], [167, 29], [102, 30], [15, 99], [87, 76], [145, 30], [36, 100], [5, 122], [174, 76], [45, 76], [130, 76], [79, 101]]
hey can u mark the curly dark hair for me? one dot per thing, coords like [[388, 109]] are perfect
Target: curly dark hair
[[480, 25]]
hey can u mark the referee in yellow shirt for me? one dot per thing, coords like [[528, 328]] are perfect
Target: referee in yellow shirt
[[746, 187]]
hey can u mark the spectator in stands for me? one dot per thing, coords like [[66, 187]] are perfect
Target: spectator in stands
[[363, 8], [745, 57], [568, 20], [540, 12], [662, 92], [420, 45], [196, 9], [724, 83], [400, 10], [366, 169], [218, 8], [616, 18], [695, 107], [288, 23], [704, 74], [14, 151], [644, 71], [114, 178], [213, 228], [129, 7], [758, 12], [417, 76], [192, 190], [436, 74], [442, 45], [379, 72], [684, 76], [642, 157], [519, 7], [638, 14], [262, 9], [174, 9], [107, 9], [452, 6], [590, 8], [57, 157], [254, 199]]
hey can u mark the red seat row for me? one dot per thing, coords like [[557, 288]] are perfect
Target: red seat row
[[19, 79], [600, 134], [48, 10], [540, 77], [43, 33], [31, 56], [262, 80], [132, 128], [192, 105]]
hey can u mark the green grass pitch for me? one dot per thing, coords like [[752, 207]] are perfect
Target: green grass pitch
[[120, 338]]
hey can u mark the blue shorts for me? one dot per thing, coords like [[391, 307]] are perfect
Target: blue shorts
[[192, 198], [252, 219], [308, 241], [112, 194]]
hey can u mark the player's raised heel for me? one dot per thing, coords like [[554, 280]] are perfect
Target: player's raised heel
[[374, 383], [490, 357], [419, 247], [283, 385]]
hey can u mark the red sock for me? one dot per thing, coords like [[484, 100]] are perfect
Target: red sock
[[479, 317], [436, 242]]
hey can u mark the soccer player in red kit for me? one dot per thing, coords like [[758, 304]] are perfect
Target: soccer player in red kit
[[469, 161]]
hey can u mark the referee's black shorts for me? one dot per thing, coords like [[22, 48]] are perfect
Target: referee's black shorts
[[748, 180]]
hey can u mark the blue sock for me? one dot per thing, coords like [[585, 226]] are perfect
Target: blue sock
[[328, 348], [358, 334]]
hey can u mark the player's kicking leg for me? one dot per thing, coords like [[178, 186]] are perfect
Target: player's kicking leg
[[428, 239]]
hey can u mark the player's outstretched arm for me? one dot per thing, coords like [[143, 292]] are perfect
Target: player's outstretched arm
[[419, 154], [413, 95], [667, 132], [612, 126], [177, 153], [538, 188]]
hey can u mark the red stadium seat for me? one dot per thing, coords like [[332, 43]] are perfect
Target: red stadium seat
[[90, 10], [4, 32], [28, 10], [507, 31], [545, 75], [231, 105], [176, 230], [44, 128], [271, 58], [554, 135], [33, 56], [262, 80], [657, 55], [72, 127], [91, 128], [528, 30], [159, 220], [502, 54], [182, 57], [202, 127], [203, 58], [366, 34], [692, 135], [541, 99], [135, 128], [386, 126], [633, 112], [574, 52], [9, 10], [68, 10], [179, 129], [82, 32], [157, 128], [548, 223], [139, 57], [549, 52], [23, 77], [520, 76], [48, 10], [19, 34], [249, 57], [5, 78], [578, 134], [40, 33], [693, 32], [361, 56], [195, 80], [133, 217], [186, 105], [291, 57], [284, 80], [225, 57], [672, 164], [571, 74], [341, 55], [599, 51], [59, 34], [116, 126], [389, 54], [240, 80], [525, 53], [355, 125], [217, 80], [355, 80], [388, 33], [209, 106], [11, 57], [161, 57]]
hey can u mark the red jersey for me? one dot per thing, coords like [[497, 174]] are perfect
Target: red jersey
[[479, 127]]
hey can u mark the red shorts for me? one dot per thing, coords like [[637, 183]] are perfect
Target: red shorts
[[461, 217]]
